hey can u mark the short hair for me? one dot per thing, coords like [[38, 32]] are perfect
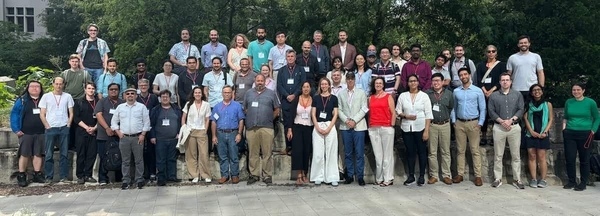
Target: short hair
[[227, 86], [464, 69], [216, 57], [580, 84], [280, 32], [90, 83], [111, 60], [415, 46], [113, 84], [144, 80], [139, 60], [191, 57], [490, 46], [342, 30], [440, 75], [318, 32], [524, 37], [245, 59], [385, 47], [58, 77], [163, 92], [506, 74], [93, 25], [442, 56], [350, 76], [290, 51], [459, 45], [186, 29], [74, 56], [261, 27]]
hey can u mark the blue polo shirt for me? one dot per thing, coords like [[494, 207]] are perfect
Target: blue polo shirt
[[259, 53], [228, 116]]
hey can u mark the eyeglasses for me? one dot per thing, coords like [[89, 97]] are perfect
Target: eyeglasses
[[113, 89], [491, 51], [129, 93]]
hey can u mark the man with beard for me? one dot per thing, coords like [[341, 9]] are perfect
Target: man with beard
[[345, 50], [258, 50], [104, 111], [243, 80], [372, 56], [141, 73], [321, 53], [211, 50], [460, 61], [181, 51], [525, 68], [416, 66], [309, 64], [214, 81]]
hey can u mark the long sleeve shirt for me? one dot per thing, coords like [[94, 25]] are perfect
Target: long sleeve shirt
[[505, 106], [582, 115], [320, 51], [352, 105], [289, 80], [469, 103], [309, 65], [420, 106], [421, 69], [131, 119]]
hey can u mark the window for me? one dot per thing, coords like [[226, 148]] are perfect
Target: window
[[24, 17]]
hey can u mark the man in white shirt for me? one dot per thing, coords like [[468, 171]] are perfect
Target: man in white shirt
[[277, 54], [131, 122], [526, 68], [460, 61]]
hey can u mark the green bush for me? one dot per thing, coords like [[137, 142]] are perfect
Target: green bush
[[7, 96], [42, 75]]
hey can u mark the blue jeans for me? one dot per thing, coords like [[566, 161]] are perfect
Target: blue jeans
[[354, 147], [61, 135], [95, 73], [228, 154], [166, 159]]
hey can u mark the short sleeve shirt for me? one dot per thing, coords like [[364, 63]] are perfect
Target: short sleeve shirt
[[104, 106], [215, 84], [259, 53], [57, 108], [259, 108], [524, 69], [324, 107]]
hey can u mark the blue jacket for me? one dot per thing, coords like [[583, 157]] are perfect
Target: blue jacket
[[16, 114], [154, 118]]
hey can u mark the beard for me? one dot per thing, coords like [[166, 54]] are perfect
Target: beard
[[260, 37]]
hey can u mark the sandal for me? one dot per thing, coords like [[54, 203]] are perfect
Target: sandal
[[385, 184], [299, 181], [305, 179]]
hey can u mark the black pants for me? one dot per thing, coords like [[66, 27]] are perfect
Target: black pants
[[574, 142], [415, 146], [302, 145], [102, 173], [149, 159], [285, 104], [86, 148]]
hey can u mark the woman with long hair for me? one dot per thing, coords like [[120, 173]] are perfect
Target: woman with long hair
[[238, 51], [324, 114], [382, 118], [299, 127], [363, 74], [266, 71], [337, 65], [196, 114], [539, 119]]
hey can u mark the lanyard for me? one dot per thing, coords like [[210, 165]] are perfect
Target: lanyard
[[417, 67], [317, 47], [35, 102], [113, 104], [306, 60], [281, 50], [92, 105], [224, 106], [188, 75], [145, 101], [168, 81], [384, 68], [291, 71], [57, 100], [217, 78], [166, 112], [325, 102]]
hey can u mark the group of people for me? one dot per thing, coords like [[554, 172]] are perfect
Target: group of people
[[328, 101]]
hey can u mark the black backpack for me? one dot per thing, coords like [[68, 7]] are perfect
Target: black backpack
[[112, 160]]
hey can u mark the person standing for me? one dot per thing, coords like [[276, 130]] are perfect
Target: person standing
[[165, 122], [525, 67], [336, 66], [212, 50], [580, 122], [468, 116], [309, 63], [238, 51], [149, 100], [439, 68], [289, 85], [352, 112], [85, 139], [131, 122], [93, 53], [345, 50], [299, 127], [416, 66], [75, 78], [141, 73], [318, 50], [167, 81], [57, 115], [261, 107], [189, 79], [243, 80], [258, 50], [324, 114], [25, 122], [539, 119], [363, 74], [111, 77], [460, 61], [214, 81], [196, 114], [506, 107], [104, 111], [278, 53], [442, 103], [389, 71], [382, 117], [489, 81], [397, 56], [227, 121], [181, 51]]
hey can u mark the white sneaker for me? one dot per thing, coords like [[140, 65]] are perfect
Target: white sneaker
[[195, 180], [207, 180]]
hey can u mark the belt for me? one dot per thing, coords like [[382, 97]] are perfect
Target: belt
[[513, 123], [132, 135], [227, 130], [440, 122], [466, 120]]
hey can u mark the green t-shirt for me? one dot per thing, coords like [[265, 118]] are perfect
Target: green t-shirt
[[74, 82], [582, 115]]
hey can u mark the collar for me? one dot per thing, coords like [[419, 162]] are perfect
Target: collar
[[461, 59]]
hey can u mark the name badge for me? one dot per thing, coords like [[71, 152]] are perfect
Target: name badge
[[304, 115], [242, 86], [112, 111], [261, 55], [194, 86], [306, 69], [165, 122], [436, 108], [323, 115], [255, 104], [36, 111], [290, 81], [488, 80], [93, 116], [216, 116], [319, 59]]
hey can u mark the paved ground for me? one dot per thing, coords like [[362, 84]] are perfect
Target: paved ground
[[284, 199]]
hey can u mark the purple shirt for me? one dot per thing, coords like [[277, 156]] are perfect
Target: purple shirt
[[423, 71]]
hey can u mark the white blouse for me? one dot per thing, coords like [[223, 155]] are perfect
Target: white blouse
[[169, 83], [419, 106], [196, 117]]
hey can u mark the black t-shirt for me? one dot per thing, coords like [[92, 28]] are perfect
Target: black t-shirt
[[84, 111], [92, 58], [149, 101], [326, 105], [32, 124]]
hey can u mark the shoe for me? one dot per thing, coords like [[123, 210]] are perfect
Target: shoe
[[80, 181], [334, 184], [496, 183], [457, 179], [342, 176], [421, 181], [409, 181], [533, 183], [542, 184], [570, 185], [48, 181], [207, 180], [63, 181], [580, 187], [482, 142], [102, 183], [361, 182], [348, 181], [176, 180], [38, 177], [140, 185], [161, 183], [90, 180], [235, 180], [152, 178], [318, 183], [385, 184], [447, 180], [519, 185], [432, 180], [195, 180], [268, 180], [252, 180], [478, 181], [124, 186], [222, 180], [22, 179]]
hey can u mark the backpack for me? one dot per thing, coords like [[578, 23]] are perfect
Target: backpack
[[112, 160], [451, 66], [595, 164]]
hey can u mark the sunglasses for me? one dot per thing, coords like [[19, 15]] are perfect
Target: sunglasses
[[491, 51], [129, 93]]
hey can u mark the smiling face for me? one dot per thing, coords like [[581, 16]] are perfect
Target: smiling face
[[459, 51], [90, 90], [536, 93], [437, 83], [259, 82], [524, 45], [216, 64], [324, 85], [360, 60], [130, 96], [384, 54], [336, 77], [415, 53], [92, 31], [265, 71], [464, 76], [227, 94], [337, 63], [378, 85], [113, 91], [413, 83], [491, 53], [239, 41], [306, 88], [197, 94], [342, 36], [577, 91], [214, 36]]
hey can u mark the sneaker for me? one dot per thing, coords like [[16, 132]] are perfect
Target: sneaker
[[152, 178], [63, 181], [22, 179], [102, 183], [519, 185], [207, 180], [252, 180], [38, 177], [348, 181], [124, 186], [48, 181], [90, 180], [533, 183], [569, 185], [334, 184], [342, 176], [580, 187], [409, 181], [542, 184], [317, 183], [140, 185], [269, 180], [80, 181], [421, 181], [496, 183], [161, 183], [361, 182], [195, 180]]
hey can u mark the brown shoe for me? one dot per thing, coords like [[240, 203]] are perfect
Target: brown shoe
[[222, 180], [478, 181], [447, 180], [457, 179], [432, 180], [235, 180]]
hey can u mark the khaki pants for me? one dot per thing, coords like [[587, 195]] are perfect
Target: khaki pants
[[439, 136], [463, 131], [513, 136], [341, 152], [196, 154], [260, 140]]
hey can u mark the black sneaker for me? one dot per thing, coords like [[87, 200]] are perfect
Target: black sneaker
[[580, 187], [569, 185], [252, 180], [80, 181], [124, 186], [268, 180], [410, 181], [174, 180], [90, 180], [361, 182], [38, 177], [421, 181], [161, 183], [22, 179], [140, 185], [342, 176], [348, 181]]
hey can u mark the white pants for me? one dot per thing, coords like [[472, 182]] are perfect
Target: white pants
[[382, 140], [324, 166]]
